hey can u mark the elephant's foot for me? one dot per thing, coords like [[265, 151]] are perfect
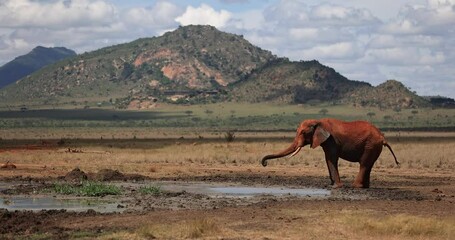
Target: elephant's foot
[[360, 185]]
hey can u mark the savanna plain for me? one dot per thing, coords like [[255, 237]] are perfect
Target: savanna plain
[[133, 167]]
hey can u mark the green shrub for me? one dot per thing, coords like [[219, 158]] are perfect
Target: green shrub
[[153, 190], [229, 136], [88, 188]]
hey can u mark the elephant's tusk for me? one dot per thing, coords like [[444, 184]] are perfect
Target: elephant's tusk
[[296, 151]]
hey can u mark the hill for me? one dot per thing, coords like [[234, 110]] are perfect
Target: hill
[[188, 59], [196, 64], [284, 81], [441, 101], [30, 62], [390, 94]]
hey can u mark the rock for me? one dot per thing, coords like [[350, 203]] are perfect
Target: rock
[[8, 165], [109, 175], [76, 175]]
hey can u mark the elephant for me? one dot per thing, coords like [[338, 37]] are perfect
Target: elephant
[[357, 141]]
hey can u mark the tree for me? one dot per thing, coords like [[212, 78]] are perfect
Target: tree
[[188, 112], [208, 112], [371, 114], [229, 136], [323, 111]]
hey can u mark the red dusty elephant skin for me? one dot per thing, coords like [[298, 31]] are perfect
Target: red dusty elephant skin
[[357, 141]]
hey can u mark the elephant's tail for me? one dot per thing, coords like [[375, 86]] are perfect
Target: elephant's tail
[[390, 148]]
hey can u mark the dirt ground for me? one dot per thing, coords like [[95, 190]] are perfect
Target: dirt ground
[[402, 203]]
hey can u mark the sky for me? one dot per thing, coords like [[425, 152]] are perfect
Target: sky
[[412, 41]]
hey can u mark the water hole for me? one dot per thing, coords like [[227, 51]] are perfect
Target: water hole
[[213, 190], [222, 190], [12, 203]]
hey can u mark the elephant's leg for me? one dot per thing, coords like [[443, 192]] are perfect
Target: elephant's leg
[[332, 180], [331, 158], [332, 165], [363, 177], [366, 164], [366, 177]]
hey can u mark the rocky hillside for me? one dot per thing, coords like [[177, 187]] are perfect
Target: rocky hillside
[[196, 64], [30, 62], [283, 81], [294, 82], [187, 59], [390, 94]]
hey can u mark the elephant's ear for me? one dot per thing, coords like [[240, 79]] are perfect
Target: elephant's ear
[[319, 136]]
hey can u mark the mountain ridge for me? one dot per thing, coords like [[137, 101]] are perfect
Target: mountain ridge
[[197, 64], [24, 65]]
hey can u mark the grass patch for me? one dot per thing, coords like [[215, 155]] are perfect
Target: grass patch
[[123, 235], [153, 190], [401, 225], [196, 228], [201, 227], [84, 235], [237, 116], [89, 189], [35, 236]]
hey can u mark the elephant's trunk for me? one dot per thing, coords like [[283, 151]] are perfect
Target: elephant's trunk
[[293, 149]]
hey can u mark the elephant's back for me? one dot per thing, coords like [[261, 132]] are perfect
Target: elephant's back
[[362, 132]]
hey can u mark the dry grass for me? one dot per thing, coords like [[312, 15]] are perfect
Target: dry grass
[[349, 224], [400, 225], [204, 156], [292, 223], [191, 229], [195, 156], [124, 235], [201, 227]]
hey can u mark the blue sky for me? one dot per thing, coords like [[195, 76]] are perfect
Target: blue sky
[[411, 41]]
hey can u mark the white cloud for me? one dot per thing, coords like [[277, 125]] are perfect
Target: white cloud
[[55, 14], [402, 27], [403, 56], [414, 47], [289, 13], [436, 17], [440, 12], [249, 20], [234, 1], [161, 15], [334, 51], [151, 20], [204, 15], [304, 33], [343, 15], [431, 58], [409, 40], [395, 56], [421, 41], [82, 25], [327, 11]]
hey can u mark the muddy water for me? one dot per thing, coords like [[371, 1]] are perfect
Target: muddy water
[[5, 186], [175, 195], [239, 191], [253, 191], [33, 203]]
